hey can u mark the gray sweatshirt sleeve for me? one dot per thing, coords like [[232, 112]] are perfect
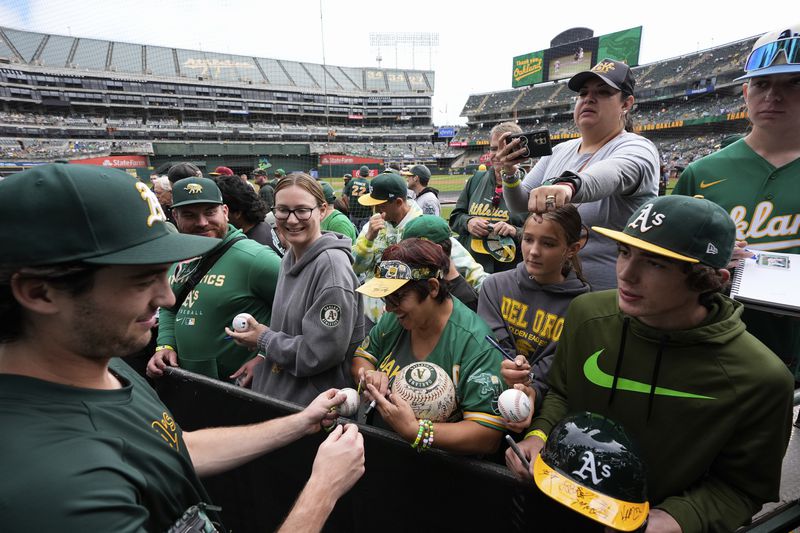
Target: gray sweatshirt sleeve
[[327, 329], [630, 169]]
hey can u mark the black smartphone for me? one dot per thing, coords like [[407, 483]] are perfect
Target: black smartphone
[[537, 143]]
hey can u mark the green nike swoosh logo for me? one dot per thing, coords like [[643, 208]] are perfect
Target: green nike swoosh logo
[[601, 379]]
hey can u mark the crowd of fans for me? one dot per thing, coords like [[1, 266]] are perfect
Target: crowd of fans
[[48, 150]]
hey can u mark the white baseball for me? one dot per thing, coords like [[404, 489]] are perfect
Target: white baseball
[[514, 405], [350, 405], [428, 389], [239, 322]]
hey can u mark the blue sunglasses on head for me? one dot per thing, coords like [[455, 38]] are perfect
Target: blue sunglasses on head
[[765, 55]]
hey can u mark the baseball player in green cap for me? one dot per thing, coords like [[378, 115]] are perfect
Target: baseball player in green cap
[[89, 446]]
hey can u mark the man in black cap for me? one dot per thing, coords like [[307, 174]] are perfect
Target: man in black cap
[[88, 445], [427, 198]]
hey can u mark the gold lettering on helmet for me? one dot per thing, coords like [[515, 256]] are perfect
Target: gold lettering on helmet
[[156, 213], [605, 66], [193, 188]]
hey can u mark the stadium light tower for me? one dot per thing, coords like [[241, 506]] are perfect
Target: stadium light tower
[[406, 41]]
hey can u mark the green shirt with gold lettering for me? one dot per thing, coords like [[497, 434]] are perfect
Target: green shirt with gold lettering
[[243, 280]]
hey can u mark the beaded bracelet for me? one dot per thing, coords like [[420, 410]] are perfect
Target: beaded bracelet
[[424, 438]]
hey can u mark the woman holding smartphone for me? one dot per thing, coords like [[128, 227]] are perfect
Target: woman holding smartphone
[[608, 172]]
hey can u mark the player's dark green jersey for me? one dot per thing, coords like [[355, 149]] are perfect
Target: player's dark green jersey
[[355, 188]]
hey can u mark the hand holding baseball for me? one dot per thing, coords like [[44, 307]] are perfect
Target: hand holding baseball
[[376, 223], [248, 337], [521, 425], [320, 412], [557, 194]]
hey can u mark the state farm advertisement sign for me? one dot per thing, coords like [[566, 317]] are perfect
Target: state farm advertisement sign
[[333, 159], [114, 161]]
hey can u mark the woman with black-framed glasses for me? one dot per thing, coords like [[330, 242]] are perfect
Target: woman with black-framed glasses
[[318, 319]]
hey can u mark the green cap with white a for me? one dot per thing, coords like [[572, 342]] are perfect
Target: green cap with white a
[[685, 228], [99, 215]]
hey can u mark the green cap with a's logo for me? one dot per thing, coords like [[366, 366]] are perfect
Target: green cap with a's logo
[[190, 191], [688, 229], [385, 187], [66, 213]]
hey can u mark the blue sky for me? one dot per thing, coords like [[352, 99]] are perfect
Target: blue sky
[[477, 39]]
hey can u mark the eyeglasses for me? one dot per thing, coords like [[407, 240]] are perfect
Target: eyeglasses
[[301, 213], [396, 298], [765, 55]]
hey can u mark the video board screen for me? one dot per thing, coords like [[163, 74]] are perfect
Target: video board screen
[[568, 59]]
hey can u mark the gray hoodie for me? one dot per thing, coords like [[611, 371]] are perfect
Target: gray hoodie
[[317, 323], [528, 318]]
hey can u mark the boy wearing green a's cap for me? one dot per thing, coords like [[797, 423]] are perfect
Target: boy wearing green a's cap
[[80, 284], [667, 356]]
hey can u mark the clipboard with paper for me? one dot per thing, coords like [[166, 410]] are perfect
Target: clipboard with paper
[[770, 282]]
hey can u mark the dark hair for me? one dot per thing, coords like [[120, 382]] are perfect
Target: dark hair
[[241, 198], [424, 180], [628, 123], [704, 279], [447, 247], [178, 171], [569, 220], [74, 278], [421, 253]]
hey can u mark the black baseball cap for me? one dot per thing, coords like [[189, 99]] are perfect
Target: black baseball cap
[[615, 73], [94, 214]]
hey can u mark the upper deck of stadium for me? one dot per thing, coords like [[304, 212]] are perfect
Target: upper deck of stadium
[[83, 56]]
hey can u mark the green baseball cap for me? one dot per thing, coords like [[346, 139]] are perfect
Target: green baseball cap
[[88, 213], [280, 172], [429, 227], [195, 191], [688, 229], [327, 190], [385, 187]]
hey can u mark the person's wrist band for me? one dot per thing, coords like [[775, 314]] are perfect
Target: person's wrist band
[[537, 433], [164, 347], [262, 356]]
